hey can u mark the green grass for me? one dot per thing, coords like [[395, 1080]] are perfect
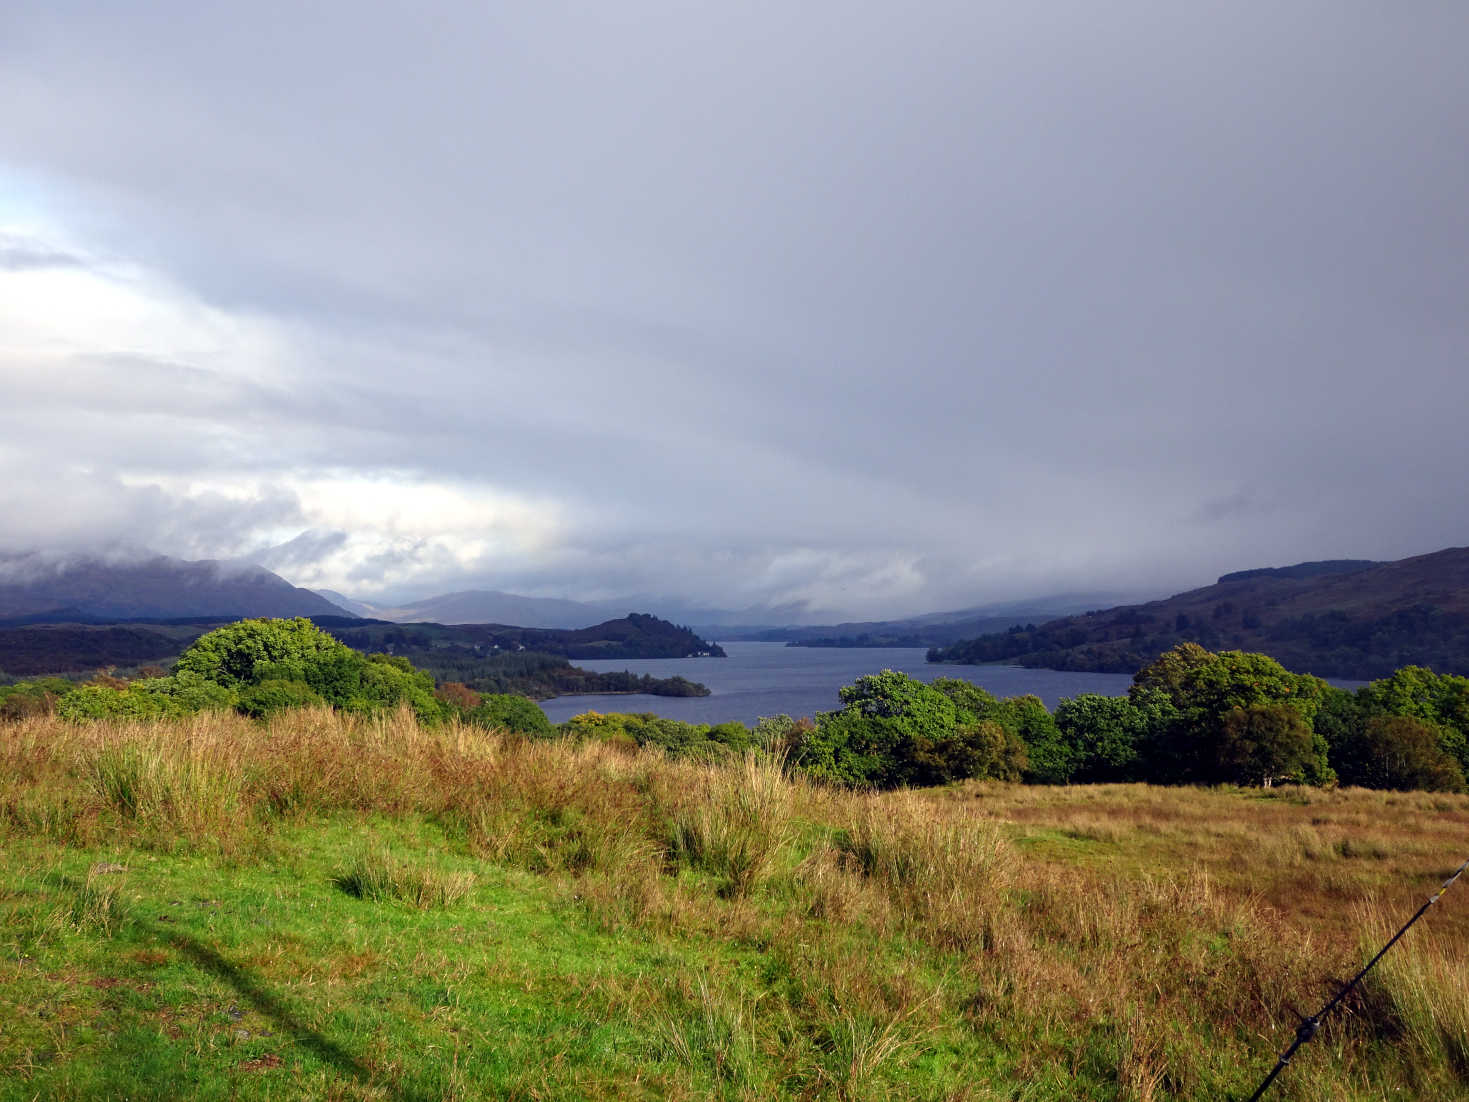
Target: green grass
[[267, 979], [331, 908]]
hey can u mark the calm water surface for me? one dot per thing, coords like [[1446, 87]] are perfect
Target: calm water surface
[[766, 679]]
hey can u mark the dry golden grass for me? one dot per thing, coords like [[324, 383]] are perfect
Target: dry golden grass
[[1159, 934]]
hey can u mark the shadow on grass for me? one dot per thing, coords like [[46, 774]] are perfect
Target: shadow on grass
[[272, 1006]]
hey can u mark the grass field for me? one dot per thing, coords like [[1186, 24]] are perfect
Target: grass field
[[334, 908]]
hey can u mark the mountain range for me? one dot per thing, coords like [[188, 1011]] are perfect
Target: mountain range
[[93, 588], [931, 630], [1348, 618], [478, 606]]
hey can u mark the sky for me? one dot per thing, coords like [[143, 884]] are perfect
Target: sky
[[863, 309]]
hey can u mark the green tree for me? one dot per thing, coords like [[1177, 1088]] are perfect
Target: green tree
[[254, 652], [510, 712], [894, 730], [968, 697], [1109, 737], [1441, 700], [1205, 689], [290, 649], [1049, 758], [880, 736], [1262, 744], [1398, 752]]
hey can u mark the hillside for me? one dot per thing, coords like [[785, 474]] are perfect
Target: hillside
[[465, 652], [94, 588], [1348, 618], [481, 606], [932, 630], [633, 636]]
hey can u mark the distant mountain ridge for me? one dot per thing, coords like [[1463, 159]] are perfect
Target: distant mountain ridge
[[480, 606], [930, 630], [1347, 618], [36, 586], [1302, 570]]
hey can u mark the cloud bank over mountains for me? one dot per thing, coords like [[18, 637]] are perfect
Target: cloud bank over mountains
[[882, 309]]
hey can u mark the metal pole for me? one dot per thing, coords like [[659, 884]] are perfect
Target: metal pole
[[1309, 1026]]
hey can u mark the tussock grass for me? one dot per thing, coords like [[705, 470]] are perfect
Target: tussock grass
[[376, 875], [733, 823], [740, 933], [95, 906], [1421, 997]]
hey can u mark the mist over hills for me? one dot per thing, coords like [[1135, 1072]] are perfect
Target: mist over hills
[[1347, 618], [1350, 618], [37, 585], [929, 630], [480, 606]]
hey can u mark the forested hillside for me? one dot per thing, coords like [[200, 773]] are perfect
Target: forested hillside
[[1345, 618], [490, 658]]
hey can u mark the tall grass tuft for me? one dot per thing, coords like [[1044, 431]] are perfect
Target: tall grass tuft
[[95, 907], [377, 876], [701, 1025], [1423, 982], [949, 875], [734, 824]]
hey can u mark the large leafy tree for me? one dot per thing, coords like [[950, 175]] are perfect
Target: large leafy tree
[[250, 654], [1397, 751], [1109, 738], [288, 650], [1223, 701], [1440, 700], [894, 730]]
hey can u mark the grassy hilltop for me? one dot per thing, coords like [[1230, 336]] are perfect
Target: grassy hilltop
[[326, 905]]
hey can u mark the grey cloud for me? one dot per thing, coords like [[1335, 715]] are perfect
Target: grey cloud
[[940, 303], [23, 254]]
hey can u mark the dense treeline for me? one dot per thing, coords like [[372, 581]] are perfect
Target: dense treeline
[[536, 675], [636, 635], [30, 651], [1192, 716], [261, 667], [487, 657]]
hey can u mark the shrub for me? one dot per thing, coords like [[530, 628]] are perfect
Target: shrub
[[290, 648], [254, 653], [894, 730], [458, 697], [510, 712], [271, 697], [689, 740], [32, 699], [94, 702]]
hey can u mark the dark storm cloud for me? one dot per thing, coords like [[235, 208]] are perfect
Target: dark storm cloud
[[892, 306]]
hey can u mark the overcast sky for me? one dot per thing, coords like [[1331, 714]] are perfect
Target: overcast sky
[[885, 308]]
